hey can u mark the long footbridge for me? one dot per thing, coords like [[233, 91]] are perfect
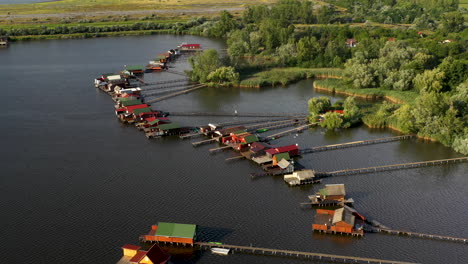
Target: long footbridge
[[296, 254], [400, 166], [420, 235], [355, 144], [237, 114]]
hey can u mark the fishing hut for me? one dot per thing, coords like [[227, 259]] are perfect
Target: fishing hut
[[344, 220], [134, 255], [135, 69], [184, 47], [171, 233], [300, 177], [4, 41], [331, 195]]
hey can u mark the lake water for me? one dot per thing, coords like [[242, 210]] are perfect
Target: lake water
[[77, 184]]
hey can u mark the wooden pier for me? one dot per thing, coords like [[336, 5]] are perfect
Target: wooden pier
[[183, 88], [295, 254], [166, 86], [164, 82], [203, 142], [176, 72], [356, 144], [287, 132], [213, 150], [289, 115], [420, 235], [392, 167], [264, 120], [175, 94]]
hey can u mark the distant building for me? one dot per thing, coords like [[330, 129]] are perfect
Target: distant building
[[351, 43], [134, 255], [3, 40], [299, 177], [331, 195], [172, 233], [342, 221]]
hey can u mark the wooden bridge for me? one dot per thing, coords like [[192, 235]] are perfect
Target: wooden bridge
[[355, 144], [392, 167], [287, 132], [295, 254], [176, 72], [243, 122], [162, 82], [165, 86], [420, 235], [183, 88], [175, 94], [289, 115]]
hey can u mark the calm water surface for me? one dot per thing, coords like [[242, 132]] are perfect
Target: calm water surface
[[77, 184]]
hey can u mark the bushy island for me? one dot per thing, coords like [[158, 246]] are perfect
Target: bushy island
[[411, 53]]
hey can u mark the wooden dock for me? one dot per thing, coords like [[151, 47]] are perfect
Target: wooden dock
[[181, 88], [392, 167], [420, 235], [355, 144], [166, 86], [164, 82], [176, 72], [290, 115], [295, 254], [213, 150], [175, 94], [203, 142], [264, 120], [287, 132]]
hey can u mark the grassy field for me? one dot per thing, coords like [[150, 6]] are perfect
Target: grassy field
[[84, 6]]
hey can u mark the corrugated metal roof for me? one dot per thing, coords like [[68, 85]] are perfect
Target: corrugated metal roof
[[168, 126], [131, 102], [134, 67], [142, 110], [281, 156], [345, 215], [250, 139], [176, 230], [304, 174], [288, 148], [335, 189]]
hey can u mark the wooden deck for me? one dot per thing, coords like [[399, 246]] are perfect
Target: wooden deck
[[355, 144], [421, 235], [296, 254], [392, 167], [290, 115], [175, 94]]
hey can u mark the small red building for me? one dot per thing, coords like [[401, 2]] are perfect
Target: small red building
[[292, 150], [154, 255]]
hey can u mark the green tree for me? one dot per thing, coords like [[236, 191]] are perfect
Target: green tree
[[404, 119], [430, 81], [453, 22], [352, 113], [224, 75], [318, 105], [203, 65], [332, 120]]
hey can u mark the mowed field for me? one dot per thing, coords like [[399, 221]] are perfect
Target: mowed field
[[464, 4], [77, 6]]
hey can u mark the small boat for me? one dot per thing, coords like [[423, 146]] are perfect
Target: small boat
[[220, 251], [262, 130]]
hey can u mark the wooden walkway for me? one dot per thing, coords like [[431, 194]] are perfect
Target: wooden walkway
[[296, 254], [421, 235], [287, 132], [243, 122], [176, 72], [166, 86], [289, 115], [175, 94], [392, 167], [183, 88], [203, 142], [164, 82], [355, 144]]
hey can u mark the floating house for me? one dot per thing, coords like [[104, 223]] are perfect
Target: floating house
[[227, 131], [172, 233], [4, 41], [340, 221], [299, 177], [351, 43], [331, 195], [184, 47], [135, 69], [258, 148], [292, 150], [134, 255]]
